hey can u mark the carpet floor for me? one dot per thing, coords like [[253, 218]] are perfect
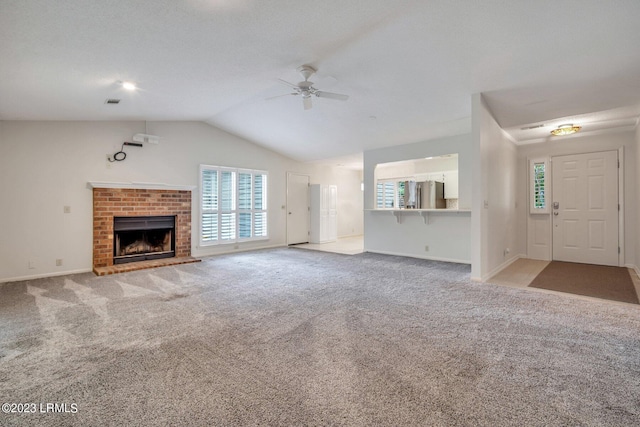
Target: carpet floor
[[289, 337], [599, 281]]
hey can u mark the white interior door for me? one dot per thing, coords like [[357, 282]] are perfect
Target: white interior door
[[585, 208], [332, 212], [297, 208]]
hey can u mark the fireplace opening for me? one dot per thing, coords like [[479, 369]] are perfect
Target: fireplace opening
[[143, 238]]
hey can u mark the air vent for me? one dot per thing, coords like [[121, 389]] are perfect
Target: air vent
[[112, 101], [532, 127]]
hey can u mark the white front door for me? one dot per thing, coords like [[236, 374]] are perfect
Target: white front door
[[585, 208], [297, 208]]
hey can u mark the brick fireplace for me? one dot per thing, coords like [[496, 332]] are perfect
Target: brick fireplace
[[110, 202]]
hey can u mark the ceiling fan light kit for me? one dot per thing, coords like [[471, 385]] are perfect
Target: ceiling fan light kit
[[306, 89], [567, 129]]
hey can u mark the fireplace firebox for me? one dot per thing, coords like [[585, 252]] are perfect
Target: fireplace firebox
[[142, 238]]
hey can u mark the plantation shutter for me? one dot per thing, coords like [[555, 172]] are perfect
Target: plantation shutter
[[244, 205], [380, 195], [260, 205], [389, 194], [209, 223], [227, 205], [385, 195]]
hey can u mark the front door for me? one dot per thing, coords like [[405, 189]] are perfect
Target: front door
[[297, 208], [585, 208]]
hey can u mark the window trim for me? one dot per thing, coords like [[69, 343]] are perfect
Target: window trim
[[532, 185], [235, 210]]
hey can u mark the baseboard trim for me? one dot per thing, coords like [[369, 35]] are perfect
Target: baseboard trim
[[45, 275], [457, 261], [347, 236], [634, 268], [501, 267], [233, 251]]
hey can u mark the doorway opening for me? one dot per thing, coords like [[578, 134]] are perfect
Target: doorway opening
[[298, 208]]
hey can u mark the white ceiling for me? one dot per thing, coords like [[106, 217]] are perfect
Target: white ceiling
[[409, 67]]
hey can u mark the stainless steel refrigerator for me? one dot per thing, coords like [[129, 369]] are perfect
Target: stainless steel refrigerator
[[424, 195]]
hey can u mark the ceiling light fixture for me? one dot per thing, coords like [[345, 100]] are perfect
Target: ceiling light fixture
[[129, 86], [567, 129]]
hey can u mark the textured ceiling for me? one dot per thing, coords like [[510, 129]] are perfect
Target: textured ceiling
[[409, 67]]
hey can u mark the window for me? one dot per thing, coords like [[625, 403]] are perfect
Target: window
[[386, 195], [401, 185], [538, 169], [233, 205]]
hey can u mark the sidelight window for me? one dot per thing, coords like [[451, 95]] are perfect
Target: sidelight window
[[538, 178]]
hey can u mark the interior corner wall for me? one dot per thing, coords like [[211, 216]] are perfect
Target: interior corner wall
[[478, 215], [350, 196], [495, 207], [447, 235], [538, 228], [45, 166], [636, 184]]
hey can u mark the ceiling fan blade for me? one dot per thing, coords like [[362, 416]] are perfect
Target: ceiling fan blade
[[307, 103], [279, 96], [291, 85], [329, 95]]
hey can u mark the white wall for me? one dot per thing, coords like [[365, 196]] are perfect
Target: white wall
[[45, 166], [495, 208], [411, 168], [537, 229], [350, 196], [447, 234]]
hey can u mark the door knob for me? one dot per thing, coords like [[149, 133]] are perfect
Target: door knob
[[555, 212], [289, 213]]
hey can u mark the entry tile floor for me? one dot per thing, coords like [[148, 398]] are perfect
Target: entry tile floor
[[521, 273], [346, 245]]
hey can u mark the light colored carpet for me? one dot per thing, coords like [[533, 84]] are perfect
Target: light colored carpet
[[292, 337]]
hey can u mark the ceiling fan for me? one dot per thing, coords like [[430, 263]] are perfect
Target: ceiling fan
[[306, 90]]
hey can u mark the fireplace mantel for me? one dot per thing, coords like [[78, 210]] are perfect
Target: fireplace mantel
[[140, 185]]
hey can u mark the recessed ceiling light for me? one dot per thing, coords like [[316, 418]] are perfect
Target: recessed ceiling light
[[129, 85], [567, 129]]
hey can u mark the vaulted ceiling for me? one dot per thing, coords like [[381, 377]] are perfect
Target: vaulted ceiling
[[409, 67]]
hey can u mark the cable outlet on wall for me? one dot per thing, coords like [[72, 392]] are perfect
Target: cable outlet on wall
[[58, 262], [67, 209], [506, 251], [426, 248], [31, 265]]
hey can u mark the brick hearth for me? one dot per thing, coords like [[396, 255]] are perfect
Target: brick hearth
[[110, 202]]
